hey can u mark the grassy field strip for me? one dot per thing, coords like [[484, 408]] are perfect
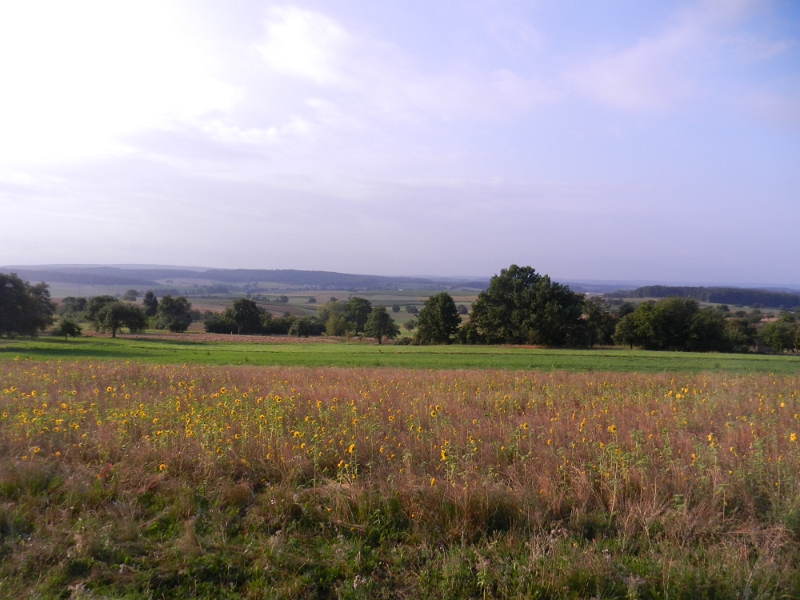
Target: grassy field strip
[[367, 355]]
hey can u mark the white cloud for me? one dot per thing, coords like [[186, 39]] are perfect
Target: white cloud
[[77, 75], [645, 76], [367, 77], [303, 43], [661, 71]]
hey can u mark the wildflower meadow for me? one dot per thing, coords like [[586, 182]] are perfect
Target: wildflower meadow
[[134, 480]]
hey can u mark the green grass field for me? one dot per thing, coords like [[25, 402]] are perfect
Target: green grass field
[[354, 354]]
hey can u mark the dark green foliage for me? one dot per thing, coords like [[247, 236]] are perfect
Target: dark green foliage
[[740, 296], [781, 335], [462, 309], [335, 315], [741, 334], [252, 320], [600, 322], [380, 325], [625, 309], [469, 334], [438, 320], [72, 307], [395, 308], [522, 307], [678, 324], [410, 325], [411, 309], [247, 315], [106, 313], [174, 314], [219, 323], [358, 310], [67, 327], [150, 303], [25, 309], [130, 295], [306, 326]]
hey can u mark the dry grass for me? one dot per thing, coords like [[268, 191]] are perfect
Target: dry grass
[[640, 485]]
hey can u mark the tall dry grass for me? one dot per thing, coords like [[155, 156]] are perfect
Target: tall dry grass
[[691, 461]]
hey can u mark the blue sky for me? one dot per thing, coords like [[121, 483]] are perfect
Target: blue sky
[[620, 140]]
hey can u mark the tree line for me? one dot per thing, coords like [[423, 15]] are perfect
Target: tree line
[[520, 306], [717, 295]]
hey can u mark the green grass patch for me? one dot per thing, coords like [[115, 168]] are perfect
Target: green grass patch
[[344, 354]]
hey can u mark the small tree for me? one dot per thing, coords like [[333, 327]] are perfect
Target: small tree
[[410, 325], [150, 303], [395, 308], [71, 306], [411, 309], [130, 295], [438, 320], [358, 310], [112, 316], [312, 300], [67, 328], [380, 325], [463, 310]]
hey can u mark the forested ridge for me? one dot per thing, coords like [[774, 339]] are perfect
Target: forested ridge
[[717, 295]]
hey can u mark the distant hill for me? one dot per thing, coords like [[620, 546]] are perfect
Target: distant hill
[[718, 295], [37, 275], [147, 277]]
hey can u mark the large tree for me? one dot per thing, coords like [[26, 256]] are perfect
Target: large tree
[[111, 315], [247, 315], [438, 320], [174, 314], [25, 309], [380, 325], [522, 307]]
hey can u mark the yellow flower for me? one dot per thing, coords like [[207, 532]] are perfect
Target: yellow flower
[[793, 437], [162, 466], [612, 429]]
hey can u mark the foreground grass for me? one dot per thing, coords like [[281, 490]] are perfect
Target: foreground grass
[[179, 351], [135, 480]]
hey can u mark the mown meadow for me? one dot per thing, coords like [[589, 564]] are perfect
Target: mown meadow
[[172, 481], [331, 352]]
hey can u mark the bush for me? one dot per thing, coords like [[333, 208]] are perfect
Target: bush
[[67, 328], [306, 326]]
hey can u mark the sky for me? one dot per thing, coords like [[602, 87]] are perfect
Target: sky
[[616, 140]]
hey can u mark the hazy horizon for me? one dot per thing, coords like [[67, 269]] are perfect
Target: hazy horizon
[[622, 141]]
